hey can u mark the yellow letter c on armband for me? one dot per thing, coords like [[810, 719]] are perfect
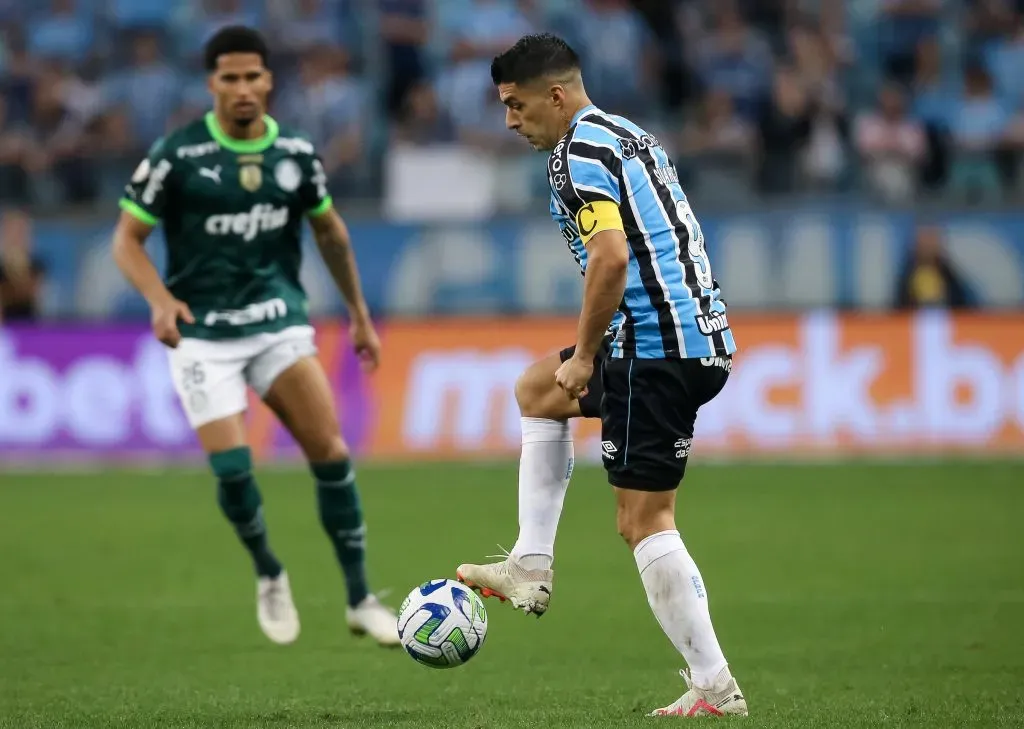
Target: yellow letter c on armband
[[597, 216]]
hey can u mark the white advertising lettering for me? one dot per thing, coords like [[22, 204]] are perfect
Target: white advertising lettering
[[96, 401], [833, 386], [467, 394], [156, 181], [959, 393], [254, 313], [261, 219]]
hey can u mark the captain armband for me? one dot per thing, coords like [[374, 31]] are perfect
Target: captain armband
[[597, 216]]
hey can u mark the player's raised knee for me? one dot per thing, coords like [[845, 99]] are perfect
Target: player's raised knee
[[538, 396], [326, 450], [530, 392]]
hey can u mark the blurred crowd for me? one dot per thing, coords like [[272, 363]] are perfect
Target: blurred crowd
[[897, 100]]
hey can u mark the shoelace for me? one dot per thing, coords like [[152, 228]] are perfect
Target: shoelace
[[677, 705], [274, 600], [505, 555]]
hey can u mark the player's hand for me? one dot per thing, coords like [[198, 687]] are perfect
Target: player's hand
[[165, 316], [573, 376], [366, 343]]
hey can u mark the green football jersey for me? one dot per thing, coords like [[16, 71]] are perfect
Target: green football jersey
[[232, 214]]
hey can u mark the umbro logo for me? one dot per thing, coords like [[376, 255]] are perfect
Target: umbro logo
[[608, 450]]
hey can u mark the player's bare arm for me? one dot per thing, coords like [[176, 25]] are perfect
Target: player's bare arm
[[335, 245], [130, 256], [603, 288]]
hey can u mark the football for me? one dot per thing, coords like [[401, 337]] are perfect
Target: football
[[442, 624]]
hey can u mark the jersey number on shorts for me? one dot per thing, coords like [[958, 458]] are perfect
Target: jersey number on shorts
[[192, 375]]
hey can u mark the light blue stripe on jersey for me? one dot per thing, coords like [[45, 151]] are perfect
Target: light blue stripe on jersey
[[647, 212], [664, 243], [580, 252], [576, 247], [591, 179]]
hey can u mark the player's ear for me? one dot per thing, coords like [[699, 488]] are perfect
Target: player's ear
[[557, 95]]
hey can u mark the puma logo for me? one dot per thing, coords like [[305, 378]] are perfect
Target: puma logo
[[213, 174]]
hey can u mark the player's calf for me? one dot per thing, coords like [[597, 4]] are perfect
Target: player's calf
[[546, 462], [642, 513], [301, 397], [678, 598], [241, 503], [341, 516]]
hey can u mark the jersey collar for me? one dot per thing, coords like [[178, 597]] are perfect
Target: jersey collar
[[242, 146], [581, 113]]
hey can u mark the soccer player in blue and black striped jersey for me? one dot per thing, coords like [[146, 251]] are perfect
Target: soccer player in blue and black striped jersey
[[653, 345]]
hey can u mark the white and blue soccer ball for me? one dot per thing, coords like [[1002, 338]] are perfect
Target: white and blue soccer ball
[[442, 624]]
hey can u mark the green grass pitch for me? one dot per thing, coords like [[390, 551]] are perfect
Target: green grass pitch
[[844, 596]]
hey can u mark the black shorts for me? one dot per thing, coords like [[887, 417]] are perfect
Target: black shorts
[[647, 417], [590, 404]]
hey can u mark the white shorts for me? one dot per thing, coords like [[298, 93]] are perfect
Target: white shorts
[[211, 377]]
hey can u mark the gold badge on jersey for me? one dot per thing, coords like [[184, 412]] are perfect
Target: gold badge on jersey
[[250, 172]]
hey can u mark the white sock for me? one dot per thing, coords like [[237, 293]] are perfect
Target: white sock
[[544, 469], [676, 594]]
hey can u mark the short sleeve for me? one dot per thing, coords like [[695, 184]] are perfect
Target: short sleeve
[[585, 173], [313, 193], [586, 169], [145, 195], [594, 172]]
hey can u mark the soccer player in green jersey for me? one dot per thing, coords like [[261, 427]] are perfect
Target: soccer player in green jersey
[[231, 191]]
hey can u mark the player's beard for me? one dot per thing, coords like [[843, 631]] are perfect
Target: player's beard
[[541, 146], [244, 117]]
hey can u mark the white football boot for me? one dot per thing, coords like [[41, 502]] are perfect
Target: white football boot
[[373, 618], [275, 609], [728, 700], [527, 590]]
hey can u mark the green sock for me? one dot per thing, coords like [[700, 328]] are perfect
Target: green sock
[[239, 499], [342, 519]]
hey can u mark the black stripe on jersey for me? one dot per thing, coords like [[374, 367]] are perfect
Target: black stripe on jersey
[[559, 179], [628, 334], [646, 155], [628, 330], [649, 280], [606, 156], [558, 164], [645, 259]]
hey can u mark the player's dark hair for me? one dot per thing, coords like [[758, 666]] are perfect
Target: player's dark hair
[[532, 57], [234, 39]]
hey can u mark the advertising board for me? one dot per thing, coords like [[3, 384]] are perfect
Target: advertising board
[[812, 384]]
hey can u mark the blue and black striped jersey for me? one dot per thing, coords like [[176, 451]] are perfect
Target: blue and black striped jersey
[[672, 306]]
